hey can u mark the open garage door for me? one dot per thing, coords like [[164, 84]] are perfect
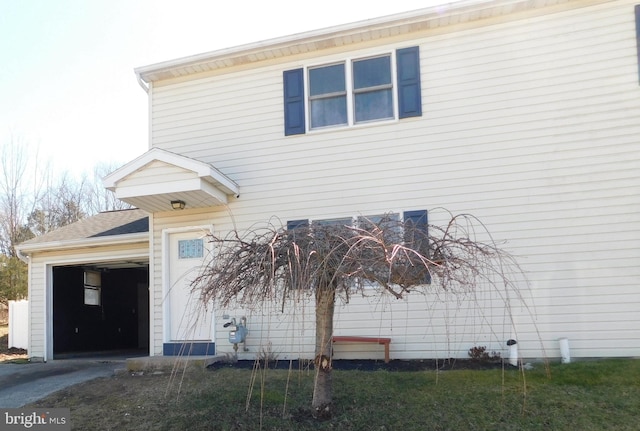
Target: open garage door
[[100, 310]]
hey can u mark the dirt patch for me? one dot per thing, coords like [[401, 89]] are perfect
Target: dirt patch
[[9, 355]]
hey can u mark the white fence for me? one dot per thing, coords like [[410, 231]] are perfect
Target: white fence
[[19, 324]]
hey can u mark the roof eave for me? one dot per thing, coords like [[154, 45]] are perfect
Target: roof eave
[[147, 73], [450, 14], [126, 239]]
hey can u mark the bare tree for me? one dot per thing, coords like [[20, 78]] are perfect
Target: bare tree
[[62, 202], [20, 188], [334, 261], [67, 199], [99, 198], [33, 202]]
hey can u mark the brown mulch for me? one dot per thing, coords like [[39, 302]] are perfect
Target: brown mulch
[[370, 365], [8, 355]]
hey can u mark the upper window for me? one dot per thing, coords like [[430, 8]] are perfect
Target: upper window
[[327, 96], [352, 92], [372, 89]]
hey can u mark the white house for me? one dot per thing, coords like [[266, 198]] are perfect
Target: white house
[[523, 113]]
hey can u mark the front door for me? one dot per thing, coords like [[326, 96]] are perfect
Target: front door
[[188, 320]]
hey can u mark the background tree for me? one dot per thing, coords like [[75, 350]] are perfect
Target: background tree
[[98, 198], [34, 201], [61, 203], [20, 187], [13, 279], [331, 261]]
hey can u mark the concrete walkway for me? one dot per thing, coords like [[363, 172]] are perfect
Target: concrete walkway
[[22, 384]]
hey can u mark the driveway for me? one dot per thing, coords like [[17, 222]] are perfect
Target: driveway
[[22, 384]]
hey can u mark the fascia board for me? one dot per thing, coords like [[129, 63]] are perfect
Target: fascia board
[[158, 188], [133, 238], [228, 186], [213, 191]]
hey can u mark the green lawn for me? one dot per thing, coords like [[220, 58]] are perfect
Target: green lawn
[[598, 395]]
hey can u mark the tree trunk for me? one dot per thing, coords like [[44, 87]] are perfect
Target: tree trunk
[[323, 387]]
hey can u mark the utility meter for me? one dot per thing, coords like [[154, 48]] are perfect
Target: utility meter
[[238, 332], [238, 335]]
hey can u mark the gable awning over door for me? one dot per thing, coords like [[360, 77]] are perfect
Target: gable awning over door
[[158, 177]]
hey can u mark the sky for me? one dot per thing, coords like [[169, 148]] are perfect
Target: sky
[[67, 86]]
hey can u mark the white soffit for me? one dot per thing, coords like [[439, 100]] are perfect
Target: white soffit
[[196, 183]]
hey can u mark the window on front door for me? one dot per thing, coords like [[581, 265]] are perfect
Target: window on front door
[[190, 248]]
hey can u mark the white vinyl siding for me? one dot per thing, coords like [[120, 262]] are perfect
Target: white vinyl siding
[[531, 125], [157, 172]]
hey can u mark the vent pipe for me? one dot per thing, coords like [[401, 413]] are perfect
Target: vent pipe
[[565, 353]]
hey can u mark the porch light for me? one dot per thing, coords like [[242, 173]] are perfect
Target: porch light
[[177, 205]]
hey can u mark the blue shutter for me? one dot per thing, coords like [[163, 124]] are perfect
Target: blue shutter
[[637, 10], [416, 231], [408, 69], [293, 225], [418, 221], [294, 123]]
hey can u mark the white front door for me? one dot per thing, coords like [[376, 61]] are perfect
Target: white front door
[[188, 320]]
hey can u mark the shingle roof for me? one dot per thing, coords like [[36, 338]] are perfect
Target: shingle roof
[[100, 225]]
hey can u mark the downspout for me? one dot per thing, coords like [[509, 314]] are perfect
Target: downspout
[[146, 88], [27, 259], [23, 257]]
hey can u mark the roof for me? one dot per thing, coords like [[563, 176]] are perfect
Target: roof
[[447, 17], [191, 181], [106, 227]]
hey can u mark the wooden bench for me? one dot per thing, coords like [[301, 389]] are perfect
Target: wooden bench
[[378, 340]]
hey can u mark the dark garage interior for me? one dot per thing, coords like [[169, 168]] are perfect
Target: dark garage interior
[[111, 318]]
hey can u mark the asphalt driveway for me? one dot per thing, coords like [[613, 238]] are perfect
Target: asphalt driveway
[[22, 384]]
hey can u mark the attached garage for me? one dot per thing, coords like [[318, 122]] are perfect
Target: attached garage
[[89, 287], [109, 317]]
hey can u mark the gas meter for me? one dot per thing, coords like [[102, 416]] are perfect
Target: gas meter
[[238, 332]]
